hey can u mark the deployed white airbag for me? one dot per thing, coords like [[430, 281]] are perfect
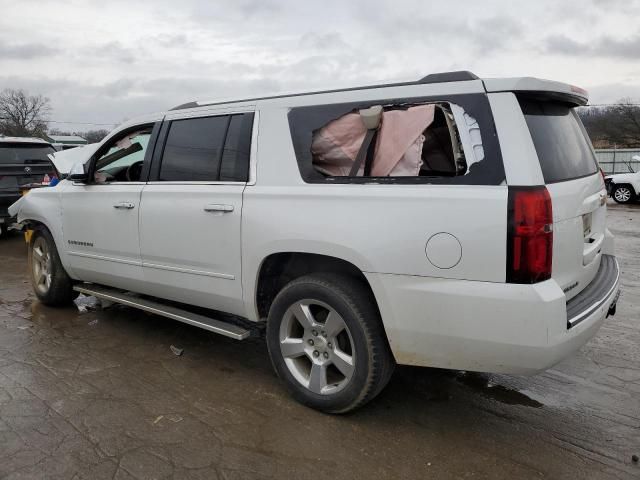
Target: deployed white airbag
[[64, 160]]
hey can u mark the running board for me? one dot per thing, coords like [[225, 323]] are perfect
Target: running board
[[211, 324]]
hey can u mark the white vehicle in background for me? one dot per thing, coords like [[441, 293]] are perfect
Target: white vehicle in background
[[624, 187], [449, 222]]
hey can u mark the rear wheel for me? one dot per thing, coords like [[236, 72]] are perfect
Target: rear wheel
[[50, 281], [327, 344], [622, 193]]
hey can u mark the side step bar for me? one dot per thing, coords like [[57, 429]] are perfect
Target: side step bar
[[113, 295]]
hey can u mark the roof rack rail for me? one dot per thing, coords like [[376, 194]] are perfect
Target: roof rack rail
[[444, 77], [458, 76]]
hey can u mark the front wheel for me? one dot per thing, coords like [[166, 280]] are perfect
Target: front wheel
[[622, 194], [327, 344], [50, 281]]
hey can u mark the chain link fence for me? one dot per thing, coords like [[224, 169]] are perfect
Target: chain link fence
[[618, 160]]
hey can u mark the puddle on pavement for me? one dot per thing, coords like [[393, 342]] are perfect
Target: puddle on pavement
[[482, 384]]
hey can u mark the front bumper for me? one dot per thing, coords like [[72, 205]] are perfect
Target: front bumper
[[484, 326]]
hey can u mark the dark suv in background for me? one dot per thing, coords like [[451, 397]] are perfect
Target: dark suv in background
[[23, 165]]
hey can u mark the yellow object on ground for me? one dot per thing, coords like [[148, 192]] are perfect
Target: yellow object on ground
[[27, 235]]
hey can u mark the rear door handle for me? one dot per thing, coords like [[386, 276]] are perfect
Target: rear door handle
[[124, 206], [218, 208]]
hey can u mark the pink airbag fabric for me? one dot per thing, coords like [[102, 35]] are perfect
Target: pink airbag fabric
[[398, 150]]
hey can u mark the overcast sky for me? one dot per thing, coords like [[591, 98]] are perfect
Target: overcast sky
[[104, 61]]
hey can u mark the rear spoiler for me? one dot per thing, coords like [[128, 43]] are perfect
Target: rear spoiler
[[536, 87]]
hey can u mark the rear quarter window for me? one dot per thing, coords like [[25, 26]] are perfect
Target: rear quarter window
[[306, 121], [562, 144]]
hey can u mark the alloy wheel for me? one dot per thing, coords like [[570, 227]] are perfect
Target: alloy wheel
[[622, 194], [41, 265], [317, 347]]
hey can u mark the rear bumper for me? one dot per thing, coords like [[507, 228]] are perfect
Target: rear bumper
[[483, 326], [597, 294]]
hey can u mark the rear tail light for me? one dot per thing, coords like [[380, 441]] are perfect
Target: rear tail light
[[529, 235]]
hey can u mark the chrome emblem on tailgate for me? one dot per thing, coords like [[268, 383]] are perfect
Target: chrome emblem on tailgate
[[570, 287], [27, 169]]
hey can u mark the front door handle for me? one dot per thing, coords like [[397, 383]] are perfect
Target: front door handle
[[124, 206], [218, 208]]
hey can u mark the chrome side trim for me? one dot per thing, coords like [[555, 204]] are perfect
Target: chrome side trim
[[205, 273], [171, 182], [105, 258]]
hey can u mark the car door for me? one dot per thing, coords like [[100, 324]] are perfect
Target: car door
[[191, 210], [100, 216]]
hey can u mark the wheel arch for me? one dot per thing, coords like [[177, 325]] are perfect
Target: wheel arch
[[279, 268]]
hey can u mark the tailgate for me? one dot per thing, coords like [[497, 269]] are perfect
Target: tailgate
[[579, 224], [24, 163], [16, 175], [576, 188]]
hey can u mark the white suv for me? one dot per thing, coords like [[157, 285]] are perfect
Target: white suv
[[624, 187], [450, 222]]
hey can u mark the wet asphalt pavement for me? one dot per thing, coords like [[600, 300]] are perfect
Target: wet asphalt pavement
[[102, 395]]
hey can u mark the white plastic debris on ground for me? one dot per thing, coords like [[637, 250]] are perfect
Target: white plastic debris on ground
[[176, 351], [87, 302]]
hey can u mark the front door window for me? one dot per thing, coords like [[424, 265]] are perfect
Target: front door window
[[123, 161]]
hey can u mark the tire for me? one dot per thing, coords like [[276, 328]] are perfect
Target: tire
[[622, 194], [327, 343], [50, 281]]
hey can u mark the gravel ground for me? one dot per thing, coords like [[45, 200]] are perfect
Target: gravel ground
[[102, 395]]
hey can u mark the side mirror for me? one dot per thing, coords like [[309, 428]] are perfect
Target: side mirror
[[78, 174]]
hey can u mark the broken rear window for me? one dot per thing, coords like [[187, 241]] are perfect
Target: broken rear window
[[419, 140], [408, 141]]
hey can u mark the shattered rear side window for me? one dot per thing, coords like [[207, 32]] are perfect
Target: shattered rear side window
[[415, 141]]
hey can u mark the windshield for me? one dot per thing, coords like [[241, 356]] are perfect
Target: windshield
[[24, 153], [560, 140]]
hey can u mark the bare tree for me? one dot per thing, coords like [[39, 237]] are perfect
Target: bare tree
[[57, 131], [94, 136], [629, 124], [22, 114], [617, 124]]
